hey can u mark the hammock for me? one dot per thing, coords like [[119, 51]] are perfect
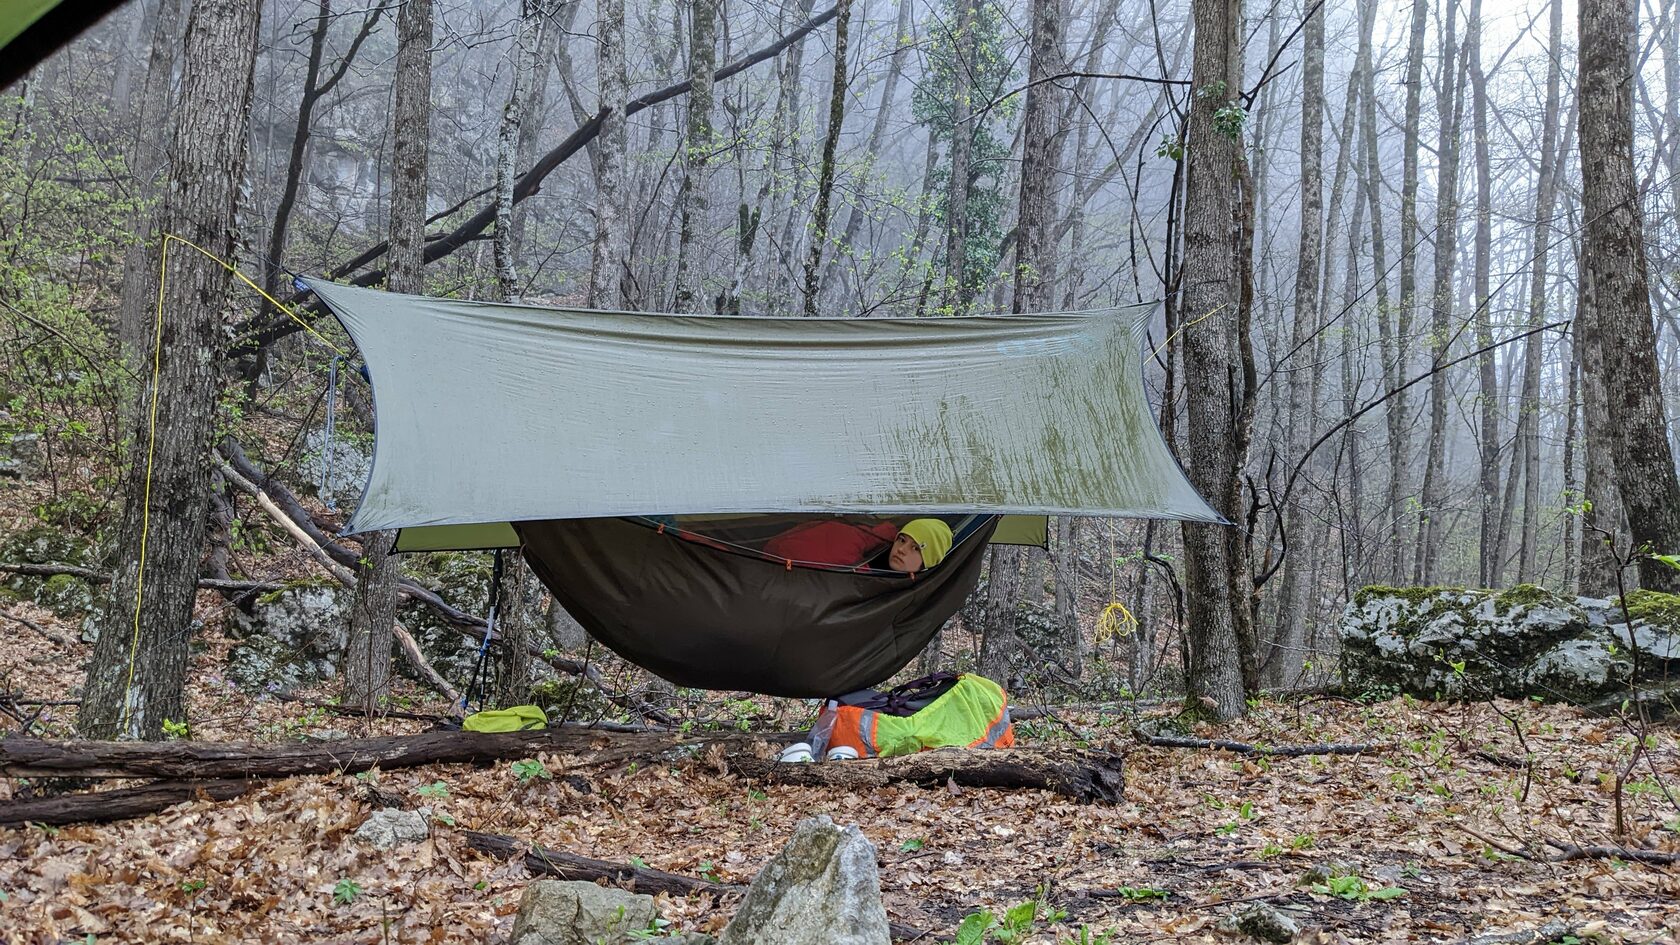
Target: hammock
[[577, 434]]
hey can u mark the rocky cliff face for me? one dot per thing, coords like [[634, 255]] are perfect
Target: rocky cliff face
[[1454, 643]]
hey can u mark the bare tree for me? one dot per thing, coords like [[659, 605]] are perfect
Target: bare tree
[[1431, 532], [1619, 320], [1283, 663], [697, 145], [149, 160], [825, 173], [373, 612], [1218, 362], [136, 679], [612, 232]]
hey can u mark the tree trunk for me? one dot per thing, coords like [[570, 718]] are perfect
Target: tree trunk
[[1489, 548], [877, 135], [1602, 519], [1431, 513], [367, 667], [149, 160], [1545, 205], [697, 145], [516, 623], [957, 292], [526, 41], [825, 174], [1391, 347], [1620, 323], [136, 679], [1218, 365], [607, 277], [999, 645], [1283, 662], [1035, 242], [1408, 278]]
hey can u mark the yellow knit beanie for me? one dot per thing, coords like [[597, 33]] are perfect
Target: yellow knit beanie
[[933, 536]]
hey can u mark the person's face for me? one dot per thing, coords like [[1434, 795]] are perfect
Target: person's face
[[906, 554]]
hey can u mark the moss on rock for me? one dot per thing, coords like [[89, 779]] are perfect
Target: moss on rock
[[1654, 608]]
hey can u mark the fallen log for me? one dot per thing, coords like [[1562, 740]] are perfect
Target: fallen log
[[1082, 775], [41, 758], [1243, 748], [563, 865], [121, 804]]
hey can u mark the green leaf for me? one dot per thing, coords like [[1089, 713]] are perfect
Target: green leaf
[[912, 845], [346, 891], [974, 926], [1387, 892]]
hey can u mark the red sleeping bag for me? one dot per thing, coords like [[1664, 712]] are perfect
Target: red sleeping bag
[[832, 542]]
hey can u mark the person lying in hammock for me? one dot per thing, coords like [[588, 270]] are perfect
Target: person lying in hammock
[[921, 543]]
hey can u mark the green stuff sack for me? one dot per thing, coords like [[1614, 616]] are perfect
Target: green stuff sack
[[519, 718]]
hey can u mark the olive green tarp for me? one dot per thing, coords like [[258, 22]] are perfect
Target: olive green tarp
[[641, 460]]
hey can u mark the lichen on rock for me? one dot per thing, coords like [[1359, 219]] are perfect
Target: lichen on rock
[[1527, 641]]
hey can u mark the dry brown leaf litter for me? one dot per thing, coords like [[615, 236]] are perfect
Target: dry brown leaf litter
[[1209, 829]]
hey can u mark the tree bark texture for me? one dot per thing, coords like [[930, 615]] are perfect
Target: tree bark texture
[[1443, 293], [1620, 326], [1216, 372], [957, 292], [1400, 475], [1528, 416], [825, 173], [1000, 647], [526, 41], [612, 230], [136, 678], [1035, 243], [373, 611], [149, 159], [697, 145], [1283, 662]]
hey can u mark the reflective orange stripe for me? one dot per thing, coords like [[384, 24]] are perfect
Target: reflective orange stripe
[[993, 728]]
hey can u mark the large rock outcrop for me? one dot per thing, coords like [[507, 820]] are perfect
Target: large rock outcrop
[[1445, 642], [822, 888]]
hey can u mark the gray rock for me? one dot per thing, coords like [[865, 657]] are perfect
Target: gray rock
[[389, 826], [822, 888], [26, 457], [291, 638], [572, 913], [338, 473], [1475, 644], [1261, 921]]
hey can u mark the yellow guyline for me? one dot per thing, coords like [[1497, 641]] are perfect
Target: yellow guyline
[[151, 431]]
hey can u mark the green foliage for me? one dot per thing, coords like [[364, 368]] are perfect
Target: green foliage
[[65, 220], [912, 845], [1014, 928], [1355, 889], [346, 891], [173, 729], [436, 789], [530, 769], [935, 104]]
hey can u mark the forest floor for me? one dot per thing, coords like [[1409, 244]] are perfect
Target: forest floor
[[1442, 807]]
